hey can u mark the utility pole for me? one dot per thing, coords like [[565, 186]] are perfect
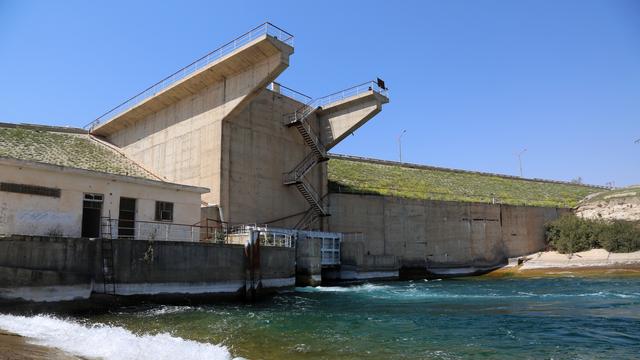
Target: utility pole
[[400, 144], [520, 159]]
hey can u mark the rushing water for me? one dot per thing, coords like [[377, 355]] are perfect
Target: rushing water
[[546, 318]]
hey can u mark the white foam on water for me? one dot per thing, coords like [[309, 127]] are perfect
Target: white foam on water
[[167, 310], [107, 342], [358, 288]]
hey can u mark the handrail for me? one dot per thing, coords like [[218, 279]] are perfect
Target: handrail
[[317, 145], [263, 29], [317, 201], [301, 169], [304, 111], [352, 91], [289, 92]]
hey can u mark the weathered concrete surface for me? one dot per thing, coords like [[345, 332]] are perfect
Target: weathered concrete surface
[[45, 215], [257, 150], [408, 233], [55, 269], [308, 261], [40, 268], [277, 267], [182, 139], [339, 119], [229, 135]]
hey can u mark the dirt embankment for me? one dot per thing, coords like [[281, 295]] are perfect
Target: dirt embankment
[[594, 262], [14, 347], [619, 204]]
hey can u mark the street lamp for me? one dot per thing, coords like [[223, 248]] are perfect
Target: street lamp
[[520, 159], [400, 144]]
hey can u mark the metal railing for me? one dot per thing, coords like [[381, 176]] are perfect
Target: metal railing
[[315, 143], [301, 169], [268, 236], [261, 30], [289, 92], [329, 245], [161, 231], [312, 105], [310, 193], [330, 251]]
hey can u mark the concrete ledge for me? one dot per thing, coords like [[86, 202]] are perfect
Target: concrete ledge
[[279, 282], [460, 271], [47, 293], [176, 288], [368, 275]]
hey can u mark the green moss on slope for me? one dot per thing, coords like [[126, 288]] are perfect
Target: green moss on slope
[[65, 149], [360, 177]]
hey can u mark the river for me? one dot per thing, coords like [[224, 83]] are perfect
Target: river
[[472, 318]]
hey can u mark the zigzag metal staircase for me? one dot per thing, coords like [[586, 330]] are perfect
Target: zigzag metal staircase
[[318, 152], [317, 155]]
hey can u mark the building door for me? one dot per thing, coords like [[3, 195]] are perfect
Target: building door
[[127, 218], [91, 212]]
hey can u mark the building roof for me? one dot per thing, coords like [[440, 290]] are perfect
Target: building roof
[[68, 147], [377, 177]]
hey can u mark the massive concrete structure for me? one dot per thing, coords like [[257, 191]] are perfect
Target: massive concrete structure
[[222, 131], [388, 234], [219, 127]]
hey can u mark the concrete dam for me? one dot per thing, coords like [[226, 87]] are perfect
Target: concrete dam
[[218, 180]]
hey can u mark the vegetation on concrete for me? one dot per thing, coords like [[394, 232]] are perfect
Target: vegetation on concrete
[[570, 234], [361, 177], [66, 149]]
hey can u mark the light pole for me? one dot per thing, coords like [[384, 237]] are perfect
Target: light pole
[[520, 160], [400, 144]]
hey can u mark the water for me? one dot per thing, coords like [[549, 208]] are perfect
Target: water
[[478, 318]]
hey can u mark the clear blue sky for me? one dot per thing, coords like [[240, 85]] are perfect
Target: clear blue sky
[[472, 82]]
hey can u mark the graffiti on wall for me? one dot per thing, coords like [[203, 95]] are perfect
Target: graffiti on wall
[[51, 223]]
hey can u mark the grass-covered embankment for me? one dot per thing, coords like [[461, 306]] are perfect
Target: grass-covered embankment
[[431, 183]]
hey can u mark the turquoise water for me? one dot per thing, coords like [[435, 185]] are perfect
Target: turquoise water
[[559, 318], [547, 318]]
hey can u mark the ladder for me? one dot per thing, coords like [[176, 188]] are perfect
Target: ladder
[[108, 273]]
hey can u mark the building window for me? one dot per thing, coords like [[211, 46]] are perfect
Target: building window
[[30, 189], [164, 211]]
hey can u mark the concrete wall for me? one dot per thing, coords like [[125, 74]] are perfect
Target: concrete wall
[[45, 268], [183, 141], [42, 215], [53, 269], [143, 267], [238, 149], [340, 119], [308, 261], [398, 232], [258, 150]]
